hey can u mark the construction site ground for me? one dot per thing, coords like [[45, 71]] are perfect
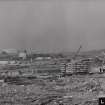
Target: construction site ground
[[70, 90]]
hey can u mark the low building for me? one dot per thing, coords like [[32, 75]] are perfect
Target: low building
[[10, 51], [43, 58], [63, 67], [76, 66], [10, 73], [12, 62], [4, 62], [13, 73], [95, 69], [39, 58], [22, 55]]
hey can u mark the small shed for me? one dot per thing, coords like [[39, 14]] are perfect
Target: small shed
[[22, 55]]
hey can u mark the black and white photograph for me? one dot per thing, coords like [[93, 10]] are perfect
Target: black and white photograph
[[52, 52]]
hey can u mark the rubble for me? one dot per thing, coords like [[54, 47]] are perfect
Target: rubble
[[44, 87]]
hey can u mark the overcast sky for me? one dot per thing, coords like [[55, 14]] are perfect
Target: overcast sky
[[52, 26]]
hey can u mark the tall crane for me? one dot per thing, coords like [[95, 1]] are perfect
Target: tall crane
[[31, 54], [69, 67], [76, 54]]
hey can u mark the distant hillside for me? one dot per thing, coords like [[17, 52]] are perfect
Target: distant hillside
[[91, 53]]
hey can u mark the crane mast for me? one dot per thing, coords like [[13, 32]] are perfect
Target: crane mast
[[76, 54]]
